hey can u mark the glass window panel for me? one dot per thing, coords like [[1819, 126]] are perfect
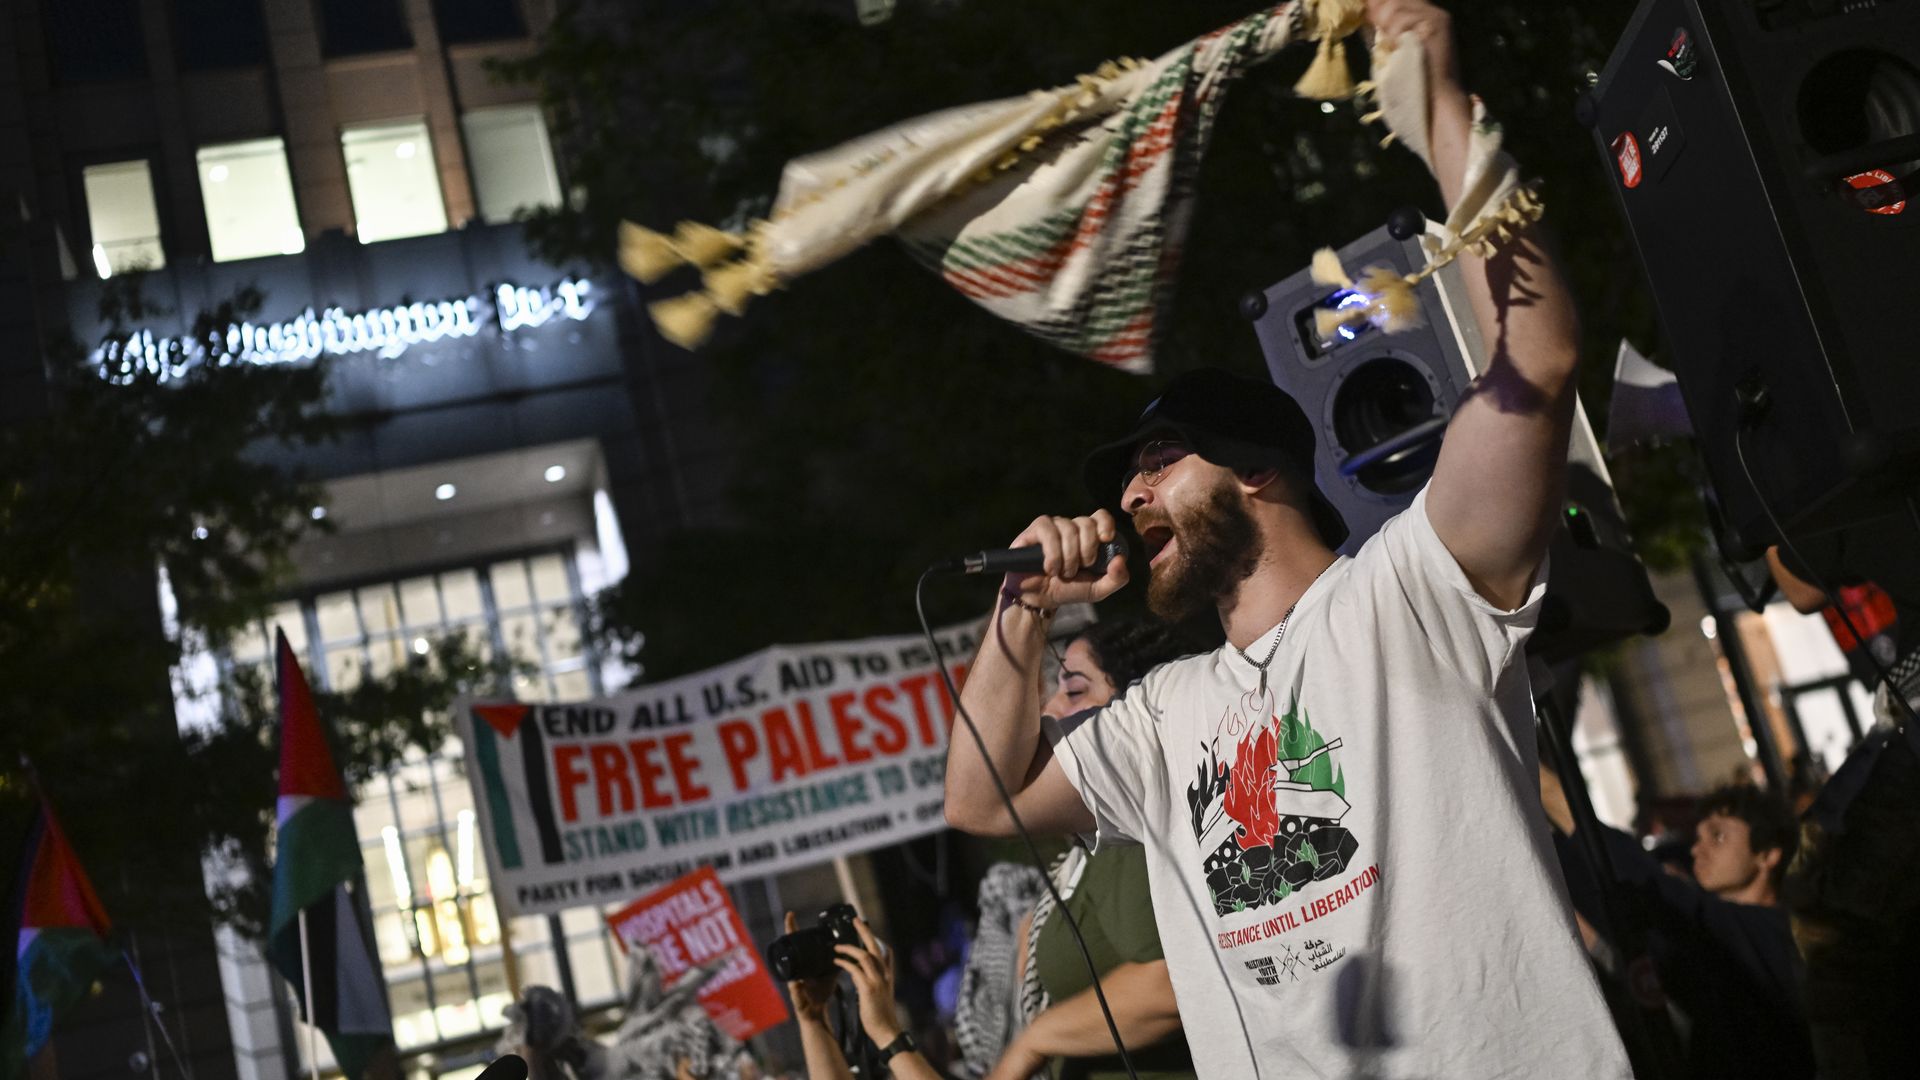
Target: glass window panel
[[536, 965], [412, 1018], [461, 591], [288, 620], [249, 644], [123, 218], [572, 685], [211, 35], [463, 21], [592, 973], [389, 881], [248, 194], [582, 921], [522, 637], [510, 586], [456, 798], [550, 578], [393, 179], [451, 930], [380, 610], [458, 1012], [384, 656], [562, 628], [485, 920], [93, 40], [420, 602], [531, 688], [530, 934], [417, 819], [391, 938], [372, 813], [357, 27], [344, 668], [494, 997], [337, 619], [512, 161], [414, 776]]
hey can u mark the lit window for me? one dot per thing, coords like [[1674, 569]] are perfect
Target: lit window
[[512, 161], [249, 198], [122, 216], [395, 185]]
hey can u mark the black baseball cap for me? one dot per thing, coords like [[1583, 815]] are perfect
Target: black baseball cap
[[1230, 420]]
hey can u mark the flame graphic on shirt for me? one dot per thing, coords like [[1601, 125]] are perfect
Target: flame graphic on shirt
[[1249, 795]]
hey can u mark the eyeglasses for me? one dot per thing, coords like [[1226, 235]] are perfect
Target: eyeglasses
[[1151, 461]]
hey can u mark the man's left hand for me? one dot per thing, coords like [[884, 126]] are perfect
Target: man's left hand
[[1449, 108]]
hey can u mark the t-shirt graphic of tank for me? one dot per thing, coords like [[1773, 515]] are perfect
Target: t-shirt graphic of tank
[[1269, 820]]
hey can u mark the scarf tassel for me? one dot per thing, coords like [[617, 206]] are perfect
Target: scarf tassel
[[1329, 77], [650, 256]]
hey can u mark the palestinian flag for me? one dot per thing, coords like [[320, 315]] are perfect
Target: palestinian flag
[[316, 870], [61, 932]]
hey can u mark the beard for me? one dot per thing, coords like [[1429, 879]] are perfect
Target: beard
[[1219, 548]]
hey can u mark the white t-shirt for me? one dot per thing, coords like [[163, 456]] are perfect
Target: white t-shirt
[[1363, 847]]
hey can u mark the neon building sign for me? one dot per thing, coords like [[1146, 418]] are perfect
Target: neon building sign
[[386, 332]]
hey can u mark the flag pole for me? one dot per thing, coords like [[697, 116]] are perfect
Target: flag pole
[[152, 1008], [306, 977]]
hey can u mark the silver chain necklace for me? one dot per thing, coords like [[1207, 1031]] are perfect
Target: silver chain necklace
[[1261, 665]]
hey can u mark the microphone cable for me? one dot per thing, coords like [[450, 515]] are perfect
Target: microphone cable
[[1006, 799], [1833, 598]]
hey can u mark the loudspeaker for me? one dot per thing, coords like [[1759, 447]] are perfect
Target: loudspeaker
[[1765, 154], [1381, 403]]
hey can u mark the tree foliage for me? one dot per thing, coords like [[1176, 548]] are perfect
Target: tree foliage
[[885, 419], [117, 483]]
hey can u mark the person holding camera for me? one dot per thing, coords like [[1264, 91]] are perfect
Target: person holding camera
[[870, 966]]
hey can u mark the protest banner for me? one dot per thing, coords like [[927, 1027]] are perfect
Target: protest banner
[[789, 757], [692, 924]]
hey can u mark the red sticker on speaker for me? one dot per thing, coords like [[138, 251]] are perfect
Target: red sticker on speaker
[[1874, 178], [1626, 152]]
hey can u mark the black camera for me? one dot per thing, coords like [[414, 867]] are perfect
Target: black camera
[[808, 953]]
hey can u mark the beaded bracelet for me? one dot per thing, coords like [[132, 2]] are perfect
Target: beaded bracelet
[[1012, 597]]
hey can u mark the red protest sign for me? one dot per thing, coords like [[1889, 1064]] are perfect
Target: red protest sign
[[691, 923]]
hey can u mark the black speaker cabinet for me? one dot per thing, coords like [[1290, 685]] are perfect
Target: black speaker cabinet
[[1381, 403], [1764, 153]]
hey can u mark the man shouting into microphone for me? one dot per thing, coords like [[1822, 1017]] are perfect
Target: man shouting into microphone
[[1349, 866]]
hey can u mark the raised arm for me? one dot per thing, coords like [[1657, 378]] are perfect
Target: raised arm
[[1141, 996], [1002, 692], [1496, 491]]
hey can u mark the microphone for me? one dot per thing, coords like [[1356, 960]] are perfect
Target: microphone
[[1022, 560], [505, 1067]]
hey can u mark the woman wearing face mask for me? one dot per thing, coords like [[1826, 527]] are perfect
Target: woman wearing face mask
[[1108, 898]]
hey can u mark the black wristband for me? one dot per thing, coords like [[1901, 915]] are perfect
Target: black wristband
[[904, 1044]]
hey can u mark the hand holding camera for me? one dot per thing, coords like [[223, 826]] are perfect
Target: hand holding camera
[[870, 965], [811, 996], [802, 955]]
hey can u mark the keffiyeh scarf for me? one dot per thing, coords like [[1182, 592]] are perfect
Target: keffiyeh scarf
[[1064, 211]]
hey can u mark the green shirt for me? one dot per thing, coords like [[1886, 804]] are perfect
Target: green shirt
[[1115, 913]]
